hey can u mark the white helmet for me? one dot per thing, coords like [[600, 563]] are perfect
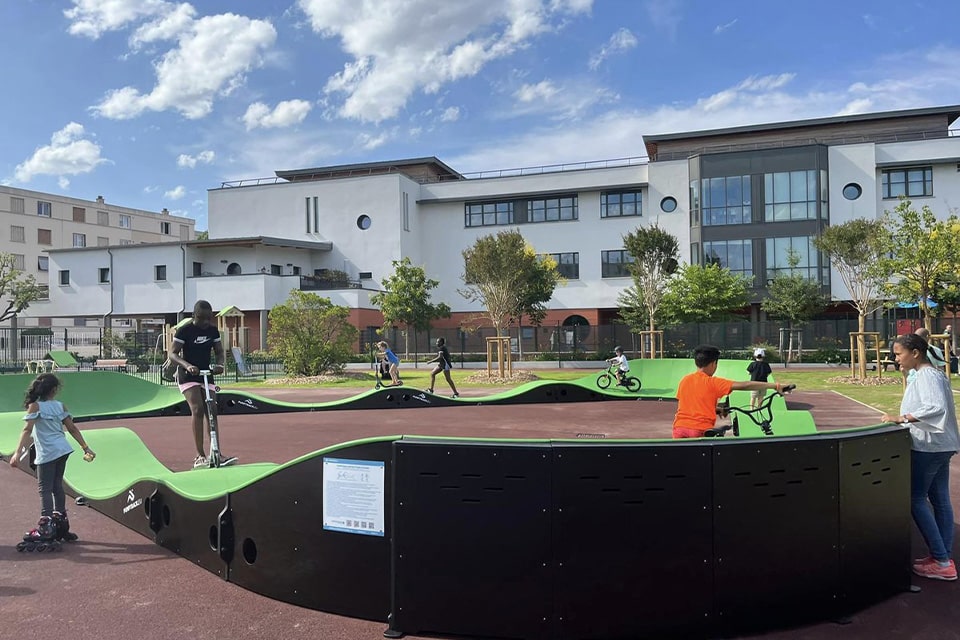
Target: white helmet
[[759, 353]]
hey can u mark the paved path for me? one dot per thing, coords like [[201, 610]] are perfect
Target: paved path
[[116, 585]]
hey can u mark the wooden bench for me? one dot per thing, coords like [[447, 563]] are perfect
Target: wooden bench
[[884, 363], [120, 364]]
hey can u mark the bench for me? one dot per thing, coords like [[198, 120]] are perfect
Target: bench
[[120, 364], [884, 363]]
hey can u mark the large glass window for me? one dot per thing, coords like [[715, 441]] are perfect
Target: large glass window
[[726, 200], [488, 214], [552, 209], [735, 255], [791, 195], [916, 181], [616, 204], [615, 264], [568, 264], [812, 265]]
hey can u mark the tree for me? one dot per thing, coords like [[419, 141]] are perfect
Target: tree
[[922, 251], [311, 335], [857, 250], [17, 288], [405, 299], [655, 254], [703, 293], [203, 235], [505, 275], [794, 297]]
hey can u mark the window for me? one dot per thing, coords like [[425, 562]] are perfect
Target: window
[[44, 209], [43, 291], [406, 211], [197, 269], [160, 272], [297, 271], [852, 191], [43, 236], [103, 218], [64, 277], [364, 222], [16, 205], [487, 214], [124, 221], [726, 201], [735, 255], [79, 214], [916, 181], [79, 240], [668, 204], [615, 264], [17, 234], [619, 204], [43, 263], [812, 265], [103, 275], [103, 242], [568, 264], [791, 195], [276, 270], [124, 241], [19, 263], [552, 209], [165, 228]]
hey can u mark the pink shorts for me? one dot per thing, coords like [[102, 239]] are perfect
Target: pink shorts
[[188, 385], [684, 432]]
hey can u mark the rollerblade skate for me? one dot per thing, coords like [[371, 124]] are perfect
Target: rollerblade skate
[[43, 538], [62, 524]]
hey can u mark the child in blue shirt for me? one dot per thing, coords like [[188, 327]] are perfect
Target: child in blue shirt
[[46, 419]]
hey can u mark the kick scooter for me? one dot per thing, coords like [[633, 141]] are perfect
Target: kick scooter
[[216, 459]]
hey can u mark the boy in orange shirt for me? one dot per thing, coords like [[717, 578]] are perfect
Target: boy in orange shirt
[[699, 392]]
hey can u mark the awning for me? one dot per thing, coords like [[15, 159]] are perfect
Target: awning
[[913, 305]]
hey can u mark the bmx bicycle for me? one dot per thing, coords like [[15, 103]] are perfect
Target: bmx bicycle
[[609, 377], [216, 459], [762, 415]]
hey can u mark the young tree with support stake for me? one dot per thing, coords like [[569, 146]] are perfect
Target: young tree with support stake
[[405, 300], [857, 250], [794, 297], [655, 253], [507, 276], [922, 251]]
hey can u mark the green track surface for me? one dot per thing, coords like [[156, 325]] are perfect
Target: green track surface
[[123, 459]]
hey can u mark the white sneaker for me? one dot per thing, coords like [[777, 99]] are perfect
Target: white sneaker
[[199, 462]]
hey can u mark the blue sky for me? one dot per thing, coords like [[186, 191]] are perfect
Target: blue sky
[[150, 103]]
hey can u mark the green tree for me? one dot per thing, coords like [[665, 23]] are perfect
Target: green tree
[[311, 335], [794, 297], [405, 299], [17, 289], [857, 250], [202, 235], [922, 251], [505, 275], [703, 293], [655, 253]]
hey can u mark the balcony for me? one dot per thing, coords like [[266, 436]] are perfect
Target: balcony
[[319, 283]]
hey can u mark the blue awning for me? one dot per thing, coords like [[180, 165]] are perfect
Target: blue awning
[[913, 305]]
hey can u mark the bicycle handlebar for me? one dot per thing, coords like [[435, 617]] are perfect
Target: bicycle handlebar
[[762, 415]]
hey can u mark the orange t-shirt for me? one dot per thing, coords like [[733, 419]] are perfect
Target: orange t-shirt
[[698, 394]]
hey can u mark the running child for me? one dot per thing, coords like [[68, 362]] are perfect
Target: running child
[[445, 364], [46, 419], [699, 392], [620, 359], [759, 371], [392, 360], [190, 348]]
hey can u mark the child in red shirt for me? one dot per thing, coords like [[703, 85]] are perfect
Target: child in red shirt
[[699, 392]]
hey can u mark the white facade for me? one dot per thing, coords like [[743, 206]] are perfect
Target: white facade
[[359, 222]]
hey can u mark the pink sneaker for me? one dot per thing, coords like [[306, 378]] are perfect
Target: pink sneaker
[[923, 560], [934, 571]]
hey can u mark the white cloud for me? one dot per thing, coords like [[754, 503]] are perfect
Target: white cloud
[[450, 114], [92, 18], [176, 193], [622, 40], [187, 161], [720, 28], [870, 20], [543, 90], [150, 188], [63, 183], [665, 16], [367, 142], [285, 114], [69, 153], [398, 49], [211, 58]]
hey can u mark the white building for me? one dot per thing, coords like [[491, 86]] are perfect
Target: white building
[[39, 222], [741, 196]]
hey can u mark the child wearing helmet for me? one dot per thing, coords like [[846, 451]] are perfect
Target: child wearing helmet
[[623, 366], [759, 371]]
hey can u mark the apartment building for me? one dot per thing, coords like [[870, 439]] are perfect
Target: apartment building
[[740, 197], [35, 223]]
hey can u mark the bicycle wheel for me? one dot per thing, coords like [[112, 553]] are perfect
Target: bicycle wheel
[[604, 380], [632, 384]]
